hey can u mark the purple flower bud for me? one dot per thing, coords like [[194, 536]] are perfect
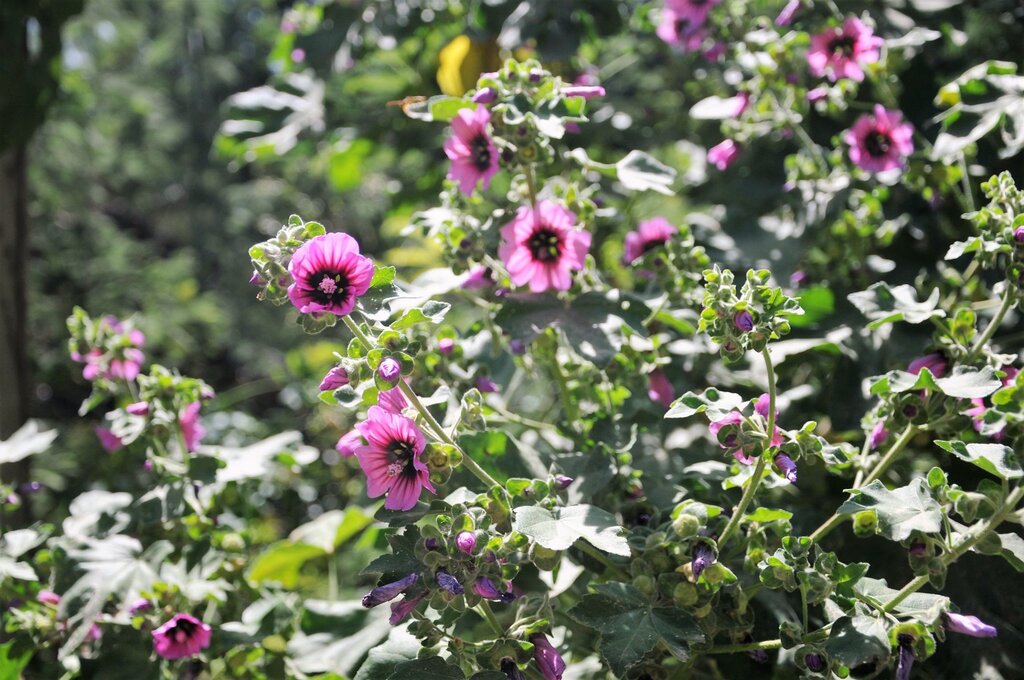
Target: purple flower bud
[[29, 488], [335, 378], [879, 434], [448, 582], [48, 597], [585, 91], [517, 346], [798, 278], [402, 608], [388, 591], [786, 466], [744, 321], [389, 371], [815, 663], [910, 411], [140, 605], [934, 362], [535, 76], [485, 96], [257, 280], [969, 625], [511, 670], [466, 542], [549, 661], [904, 657], [349, 444], [445, 345], [918, 549], [148, 466], [786, 15], [758, 656], [486, 385], [485, 588], [817, 94], [139, 408], [703, 557], [562, 482], [1018, 235]]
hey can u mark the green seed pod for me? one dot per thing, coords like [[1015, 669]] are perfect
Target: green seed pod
[[865, 523], [685, 525], [685, 594]]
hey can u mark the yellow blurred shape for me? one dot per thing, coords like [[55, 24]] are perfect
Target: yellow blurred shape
[[462, 61]]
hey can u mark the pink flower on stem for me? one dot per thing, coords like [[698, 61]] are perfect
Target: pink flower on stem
[[391, 459], [649, 234], [349, 444], [842, 52], [335, 378], [329, 274], [48, 597], [110, 441], [723, 154], [480, 277], [879, 434], [191, 427], [182, 637], [696, 11], [585, 91], [392, 401], [659, 389], [470, 149], [541, 247], [680, 31], [881, 141]]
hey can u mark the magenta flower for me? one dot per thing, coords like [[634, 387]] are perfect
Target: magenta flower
[[585, 91], [842, 52], [934, 362], [562, 482], [703, 557], [478, 278], [786, 466], [696, 11], [335, 378], [486, 385], [548, 660], [466, 542], [1018, 235], [744, 321], [140, 605], [881, 141], [785, 17], [879, 434], [649, 234], [139, 408], [485, 588], [108, 440], [391, 459], [470, 149], [969, 625], [392, 401], [743, 451], [389, 371], [389, 591], [723, 154], [402, 608], [446, 345], [329, 274], [659, 388], [191, 427], [817, 94], [680, 31], [48, 597], [182, 637], [349, 444], [541, 247], [485, 96]]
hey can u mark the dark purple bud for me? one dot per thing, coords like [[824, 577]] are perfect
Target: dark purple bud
[[758, 656], [257, 280], [934, 362], [431, 544], [390, 371], [389, 591], [335, 378], [918, 549], [1018, 235], [486, 385], [485, 96], [449, 582], [562, 482], [445, 345], [879, 434], [549, 661], [815, 663], [29, 488], [511, 670], [402, 608], [535, 76], [517, 346], [501, 292], [491, 557], [904, 657], [744, 321], [703, 557], [798, 278], [910, 411], [969, 625], [485, 588], [466, 542], [786, 466], [139, 606]]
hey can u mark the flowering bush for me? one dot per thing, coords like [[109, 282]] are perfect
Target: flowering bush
[[587, 429]]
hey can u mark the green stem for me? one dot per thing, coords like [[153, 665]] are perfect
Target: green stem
[[332, 577], [568, 405], [755, 479], [614, 569], [438, 430], [531, 185], [764, 645], [485, 610], [803, 602], [993, 325]]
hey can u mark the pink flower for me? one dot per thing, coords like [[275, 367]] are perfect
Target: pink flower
[[191, 427], [139, 408], [969, 625], [110, 441], [547, 658], [391, 459], [977, 415], [696, 11], [842, 52], [934, 362], [404, 607], [335, 378], [481, 277], [182, 637], [585, 91], [723, 154], [880, 142], [878, 434], [649, 235], [659, 389], [466, 542], [786, 15], [470, 149], [48, 597], [541, 247], [743, 451], [329, 275], [349, 444], [392, 401], [680, 32], [817, 94]]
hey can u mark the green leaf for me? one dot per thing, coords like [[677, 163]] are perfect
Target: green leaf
[[1012, 548], [282, 561], [857, 641], [883, 305], [382, 276], [924, 607], [592, 322], [11, 662], [716, 404], [639, 171], [630, 627], [900, 511], [995, 459], [431, 312], [432, 668], [400, 646], [332, 529], [817, 302], [964, 383], [346, 632], [559, 528], [767, 515]]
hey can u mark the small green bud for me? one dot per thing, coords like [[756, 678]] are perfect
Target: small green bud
[[685, 525], [865, 523]]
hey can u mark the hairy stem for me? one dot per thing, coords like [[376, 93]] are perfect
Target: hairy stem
[[993, 325], [764, 645], [485, 610]]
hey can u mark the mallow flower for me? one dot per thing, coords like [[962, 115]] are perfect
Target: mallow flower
[[349, 443], [389, 591], [880, 142], [329, 275], [392, 401], [659, 388], [934, 362], [969, 625], [679, 31], [470, 149], [542, 247], [335, 378], [843, 51], [695, 11], [392, 459], [723, 154], [548, 660], [649, 234], [191, 427], [744, 451], [402, 608], [182, 637]]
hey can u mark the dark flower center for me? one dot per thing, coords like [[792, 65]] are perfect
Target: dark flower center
[[878, 143], [184, 628], [843, 44], [481, 150], [652, 245], [401, 455], [544, 245], [684, 27], [330, 287]]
